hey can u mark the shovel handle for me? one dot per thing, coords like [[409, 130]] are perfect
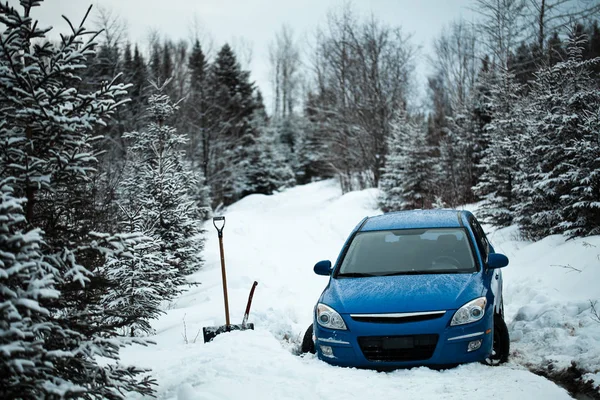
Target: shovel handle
[[249, 304], [223, 274], [219, 228]]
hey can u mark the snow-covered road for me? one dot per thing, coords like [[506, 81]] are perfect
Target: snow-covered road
[[276, 240]]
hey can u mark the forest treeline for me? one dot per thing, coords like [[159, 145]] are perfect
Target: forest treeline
[[510, 117], [113, 153], [514, 124]]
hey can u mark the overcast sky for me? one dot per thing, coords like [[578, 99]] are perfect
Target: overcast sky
[[257, 21]]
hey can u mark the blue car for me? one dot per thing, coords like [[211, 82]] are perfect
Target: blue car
[[412, 288]]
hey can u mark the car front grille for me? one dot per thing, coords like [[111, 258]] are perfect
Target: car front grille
[[398, 348], [398, 318]]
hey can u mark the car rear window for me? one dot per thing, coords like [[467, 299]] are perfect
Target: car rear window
[[408, 251]]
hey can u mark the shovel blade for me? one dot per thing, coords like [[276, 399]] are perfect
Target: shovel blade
[[210, 332]]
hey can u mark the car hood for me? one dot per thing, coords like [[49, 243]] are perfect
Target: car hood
[[402, 293]]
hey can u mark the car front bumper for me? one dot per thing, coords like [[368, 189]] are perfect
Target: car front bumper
[[396, 345]]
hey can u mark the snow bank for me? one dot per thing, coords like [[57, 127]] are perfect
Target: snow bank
[[276, 240], [549, 288]]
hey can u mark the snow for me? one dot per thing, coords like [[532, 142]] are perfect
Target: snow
[[276, 240], [549, 287]]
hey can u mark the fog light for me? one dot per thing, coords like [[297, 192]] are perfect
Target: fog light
[[327, 351], [474, 345]]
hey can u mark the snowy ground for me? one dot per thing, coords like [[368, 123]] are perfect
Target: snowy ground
[[549, 287], [277, 239]]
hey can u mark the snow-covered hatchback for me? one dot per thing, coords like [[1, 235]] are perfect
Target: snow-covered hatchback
[[412, 288]]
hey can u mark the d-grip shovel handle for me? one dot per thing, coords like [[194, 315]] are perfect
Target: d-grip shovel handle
[[219, 229], [223, 274]]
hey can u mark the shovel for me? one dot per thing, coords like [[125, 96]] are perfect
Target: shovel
[[211, 331]]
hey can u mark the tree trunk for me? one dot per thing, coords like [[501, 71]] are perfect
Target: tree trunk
[[541, 32]]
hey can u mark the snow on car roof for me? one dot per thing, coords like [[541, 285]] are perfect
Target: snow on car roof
[[414, 219]]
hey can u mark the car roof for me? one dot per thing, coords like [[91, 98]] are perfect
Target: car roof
[[415, 219]]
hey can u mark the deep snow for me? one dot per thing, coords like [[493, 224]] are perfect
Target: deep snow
[[548, 290], [277, 239]]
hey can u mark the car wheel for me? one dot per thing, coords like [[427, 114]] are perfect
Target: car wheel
[[501, 346], [308, 345]]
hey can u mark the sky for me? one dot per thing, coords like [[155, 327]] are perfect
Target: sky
[[253, 23]]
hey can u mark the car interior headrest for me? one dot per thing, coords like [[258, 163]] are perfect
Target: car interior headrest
[[447, 240]]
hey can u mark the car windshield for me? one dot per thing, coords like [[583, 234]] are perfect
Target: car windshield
[[408, 251]]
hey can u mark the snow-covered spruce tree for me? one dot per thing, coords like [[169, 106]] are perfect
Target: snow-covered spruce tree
[[581, 206], [417, 182], [165, 187], [47, 153], [313, 154], [232, 104], [391, 198], [407, 175], [136, 73], [194, 110], [560, 184], [144, 277], [581, 210], [266, 168], [453, 182], [26, 280], [501, 160], [482, 108], [288, 132]]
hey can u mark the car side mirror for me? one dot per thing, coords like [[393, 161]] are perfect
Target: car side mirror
[[496, 260], [323, 268]]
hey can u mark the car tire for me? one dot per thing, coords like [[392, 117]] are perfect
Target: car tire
[[501, 346], [308, 345]]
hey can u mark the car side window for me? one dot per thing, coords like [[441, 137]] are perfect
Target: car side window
[[480, 238]]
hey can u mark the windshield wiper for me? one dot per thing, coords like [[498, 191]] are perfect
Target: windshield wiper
[[425, 272], [403, 273], [354, 275]]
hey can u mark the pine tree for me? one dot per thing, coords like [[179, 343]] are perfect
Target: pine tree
[[165, 188], [555, 51], [407, 174], [391, 180], [266, 170], [143, 277], [523, 64], [559, 186], [136, 73], [581, 210], [166, 71], [229, 121], [457, 147], [594, 49], [155, 65], [312, 158], [240, 103], [26, 281], [48, 155], [483, 110], [417, 179], [195, 109], [501, 160]]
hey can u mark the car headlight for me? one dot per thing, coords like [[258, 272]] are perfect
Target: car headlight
[[327, 317], [470, 312]]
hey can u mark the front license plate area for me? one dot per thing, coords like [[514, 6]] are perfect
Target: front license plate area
[[396, 343], [398, 348]]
